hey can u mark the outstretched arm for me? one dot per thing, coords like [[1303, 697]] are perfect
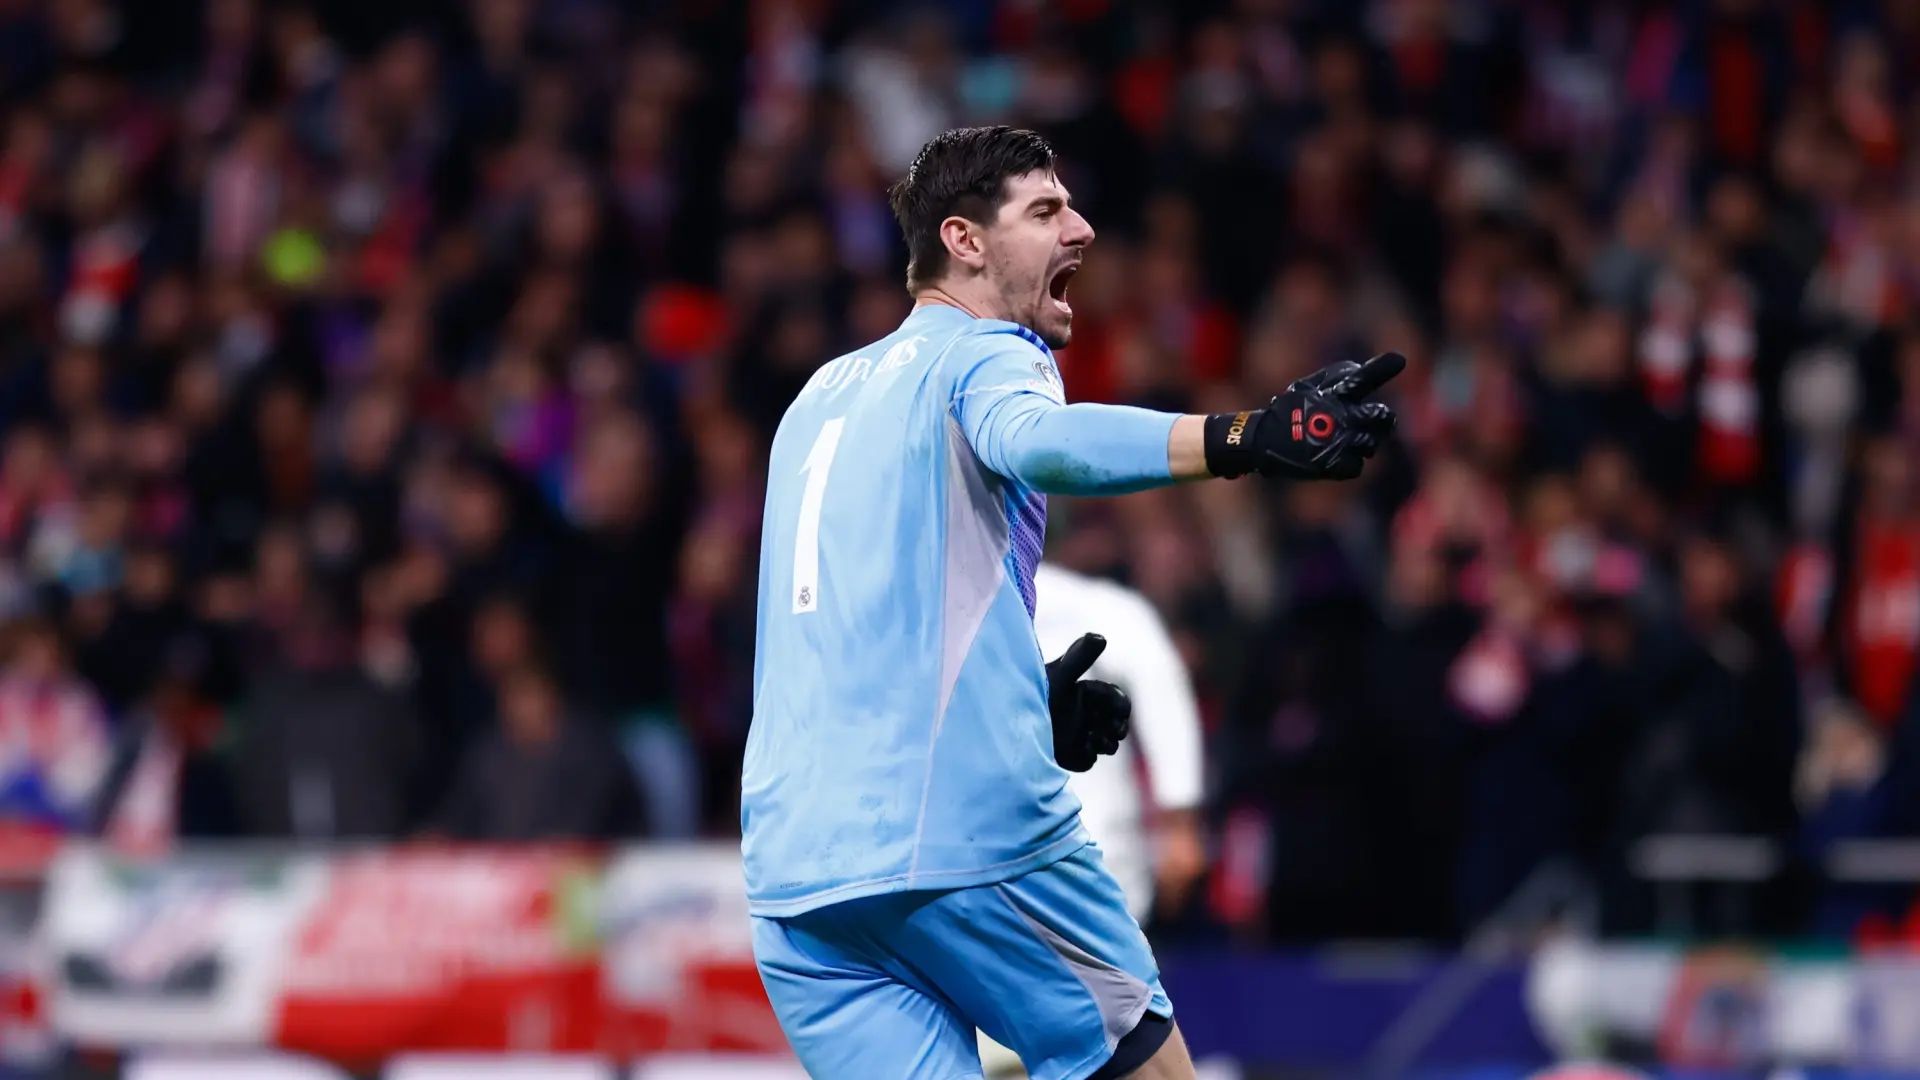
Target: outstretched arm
[[1321, 428]]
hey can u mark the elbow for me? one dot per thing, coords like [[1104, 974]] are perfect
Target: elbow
[[1056, 471]]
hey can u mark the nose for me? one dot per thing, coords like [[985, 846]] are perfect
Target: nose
[[1077, 233]]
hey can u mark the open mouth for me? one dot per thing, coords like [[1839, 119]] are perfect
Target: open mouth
[[1057, 286]]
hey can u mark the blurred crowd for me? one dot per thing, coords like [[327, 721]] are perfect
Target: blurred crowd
[[384, 392]]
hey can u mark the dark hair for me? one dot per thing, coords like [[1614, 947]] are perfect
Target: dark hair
[[964, 172]]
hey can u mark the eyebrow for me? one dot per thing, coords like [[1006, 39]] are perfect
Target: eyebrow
[[1050, 198]]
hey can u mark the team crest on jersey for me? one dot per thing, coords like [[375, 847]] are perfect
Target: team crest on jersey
[[1050, 378]]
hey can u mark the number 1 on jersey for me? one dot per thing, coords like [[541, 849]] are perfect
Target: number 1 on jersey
[[806, 533]]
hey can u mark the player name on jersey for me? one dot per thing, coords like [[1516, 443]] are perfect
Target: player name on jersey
[[840, 373]]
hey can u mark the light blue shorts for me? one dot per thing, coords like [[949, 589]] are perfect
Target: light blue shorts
[[1051, 965]]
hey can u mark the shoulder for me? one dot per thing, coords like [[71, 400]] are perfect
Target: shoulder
[[1009, 356]]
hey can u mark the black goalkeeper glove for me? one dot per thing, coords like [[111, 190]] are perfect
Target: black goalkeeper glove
[[1089, 716], [1322, 428]]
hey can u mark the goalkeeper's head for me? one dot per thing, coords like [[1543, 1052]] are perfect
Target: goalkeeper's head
[[991, 229]]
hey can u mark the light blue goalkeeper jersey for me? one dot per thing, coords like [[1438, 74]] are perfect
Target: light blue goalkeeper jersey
[[900, 733]]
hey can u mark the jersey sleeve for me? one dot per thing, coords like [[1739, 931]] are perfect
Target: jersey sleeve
[[1009, 402]]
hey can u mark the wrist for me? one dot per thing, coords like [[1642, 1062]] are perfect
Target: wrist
[[1229, 443], [1187, 448]]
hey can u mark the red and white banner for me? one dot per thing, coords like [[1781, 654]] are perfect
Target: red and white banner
[[457, 949], [358, 955]]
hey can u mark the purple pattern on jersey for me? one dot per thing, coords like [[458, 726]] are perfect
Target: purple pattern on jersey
[[1027, 535]]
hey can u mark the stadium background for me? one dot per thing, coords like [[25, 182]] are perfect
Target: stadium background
[[384, 390]]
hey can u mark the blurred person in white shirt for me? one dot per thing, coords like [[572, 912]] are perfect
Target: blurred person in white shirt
[[1149, 832], [1145, 821]]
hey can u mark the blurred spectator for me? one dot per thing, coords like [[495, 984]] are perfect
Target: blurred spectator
[[1881, 607], [322, 750], [608, 602], [168, 780], [54, 731], [541, 774], [123, 647]]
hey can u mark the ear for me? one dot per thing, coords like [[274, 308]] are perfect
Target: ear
[[965, 241]]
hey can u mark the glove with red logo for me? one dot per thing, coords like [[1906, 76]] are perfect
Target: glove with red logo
[[1322, 428]]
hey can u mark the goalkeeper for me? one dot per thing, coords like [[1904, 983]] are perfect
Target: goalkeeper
[[915, 862]]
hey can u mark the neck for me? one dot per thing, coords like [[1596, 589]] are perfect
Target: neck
[[948, 297]]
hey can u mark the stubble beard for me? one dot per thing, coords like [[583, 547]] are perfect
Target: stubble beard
[[1033, 309]]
